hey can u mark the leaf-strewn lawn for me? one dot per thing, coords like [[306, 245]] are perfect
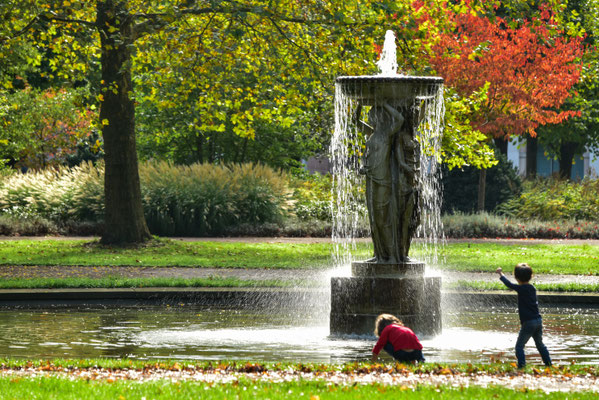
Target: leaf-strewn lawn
[[171, 379]]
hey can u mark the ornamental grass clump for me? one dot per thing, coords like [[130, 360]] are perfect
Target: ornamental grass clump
[[206, 199], [194, 200], [58, 194]]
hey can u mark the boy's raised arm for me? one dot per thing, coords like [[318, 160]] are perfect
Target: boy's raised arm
[[505, 280]]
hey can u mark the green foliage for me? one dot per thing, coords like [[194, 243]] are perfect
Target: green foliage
[[312, 197], [5, 170], [42, 128], [462, 145], [553, 199], [460, 186]]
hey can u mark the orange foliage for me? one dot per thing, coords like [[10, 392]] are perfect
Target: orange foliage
[[530, 68]]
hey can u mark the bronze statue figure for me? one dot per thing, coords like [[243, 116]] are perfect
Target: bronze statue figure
[[391, 166]]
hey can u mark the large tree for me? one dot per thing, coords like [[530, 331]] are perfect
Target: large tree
[[528, 67], [80, 35]]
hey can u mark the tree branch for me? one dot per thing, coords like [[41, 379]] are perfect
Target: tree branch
[[22, 31], [156, 21], [52, 16]]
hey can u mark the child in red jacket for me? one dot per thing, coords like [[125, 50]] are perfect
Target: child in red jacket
[[396, 339]]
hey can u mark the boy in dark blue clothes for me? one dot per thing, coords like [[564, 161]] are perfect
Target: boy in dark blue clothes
[[528, 309]]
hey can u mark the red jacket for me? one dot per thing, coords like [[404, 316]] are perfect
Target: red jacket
[[401, 337]]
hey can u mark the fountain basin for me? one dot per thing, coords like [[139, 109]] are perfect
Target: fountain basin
[[357, 301], [372, 89]]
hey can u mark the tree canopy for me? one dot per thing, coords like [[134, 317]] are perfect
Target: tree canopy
[[207, 76]]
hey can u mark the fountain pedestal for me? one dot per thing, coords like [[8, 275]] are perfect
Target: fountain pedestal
[[400, 289]]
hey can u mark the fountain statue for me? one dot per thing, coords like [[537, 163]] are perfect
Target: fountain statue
[[401, 129]]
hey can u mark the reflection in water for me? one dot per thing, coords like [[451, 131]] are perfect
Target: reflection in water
[[189, 332]]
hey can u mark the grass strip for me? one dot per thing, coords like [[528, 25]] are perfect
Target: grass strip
[[117, 282], [542, 287], [67, 389], [469, 257]]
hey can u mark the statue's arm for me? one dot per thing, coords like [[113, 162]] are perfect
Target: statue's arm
[[398, 118]]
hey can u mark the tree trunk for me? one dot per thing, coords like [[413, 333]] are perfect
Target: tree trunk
[[482, 183], [124, 217], [567, 151], [531, 157], [200, 147], [240, 153], [211, 149]]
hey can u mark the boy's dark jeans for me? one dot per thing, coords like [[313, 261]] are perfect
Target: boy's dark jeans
[[532, 328]]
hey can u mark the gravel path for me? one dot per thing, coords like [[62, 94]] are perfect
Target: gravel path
[[65, 271]]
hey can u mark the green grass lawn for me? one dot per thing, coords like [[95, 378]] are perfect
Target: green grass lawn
[[165, 252], [48, 388], [545, 259]]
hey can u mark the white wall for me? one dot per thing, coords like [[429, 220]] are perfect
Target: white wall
[[517, 156]]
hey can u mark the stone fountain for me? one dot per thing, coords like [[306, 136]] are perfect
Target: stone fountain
[[389, 282]]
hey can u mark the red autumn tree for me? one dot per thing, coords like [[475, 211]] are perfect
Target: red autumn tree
[[529, 66]]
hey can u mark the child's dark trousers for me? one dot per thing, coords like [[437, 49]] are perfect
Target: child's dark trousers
[[531, 328]]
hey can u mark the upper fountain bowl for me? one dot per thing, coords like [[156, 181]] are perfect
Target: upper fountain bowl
[[372, 89]]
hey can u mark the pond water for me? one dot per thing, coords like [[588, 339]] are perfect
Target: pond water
[[198, 333]]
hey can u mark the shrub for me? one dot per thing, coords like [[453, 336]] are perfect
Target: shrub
[[57, 194], [460, 187], [311, 197], [484, 225], [12, 225], [554, 199], [195, 200]]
